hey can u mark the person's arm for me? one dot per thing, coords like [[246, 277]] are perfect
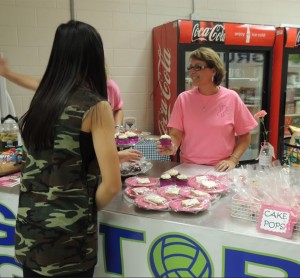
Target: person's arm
[[129, 155], [114, 97], [118, 117], [242, 144], [19, 79], [176, 136], [102, 128]]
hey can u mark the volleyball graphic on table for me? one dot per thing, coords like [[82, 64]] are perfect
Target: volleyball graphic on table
[[176, 255]]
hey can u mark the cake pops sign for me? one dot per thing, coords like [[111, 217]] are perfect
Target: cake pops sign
[[276, 220]]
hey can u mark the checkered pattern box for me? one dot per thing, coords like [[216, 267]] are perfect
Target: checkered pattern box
[[148, 148]]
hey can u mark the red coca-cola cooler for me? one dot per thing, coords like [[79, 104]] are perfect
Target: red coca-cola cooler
[[245, 49], [285, 102]]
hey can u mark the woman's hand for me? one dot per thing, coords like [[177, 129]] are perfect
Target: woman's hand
[[225, 165], [129, 155]]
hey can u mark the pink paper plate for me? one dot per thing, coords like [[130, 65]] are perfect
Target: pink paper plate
[[133, 181], [140, 202], [187, 192], [193, 180], [163, 191], [220, 187], [132, 193], [177, 206], [214, 197]]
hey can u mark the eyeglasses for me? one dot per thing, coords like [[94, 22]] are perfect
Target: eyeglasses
[[197, 67]]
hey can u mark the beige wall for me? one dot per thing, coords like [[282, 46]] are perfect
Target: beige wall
[[27, 28]]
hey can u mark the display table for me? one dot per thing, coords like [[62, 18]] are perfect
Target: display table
[[138, 243]]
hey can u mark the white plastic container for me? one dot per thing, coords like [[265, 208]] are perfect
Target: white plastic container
[[9, 134]]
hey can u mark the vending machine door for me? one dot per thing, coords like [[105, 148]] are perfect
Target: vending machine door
[[292, 99], [246, 77]]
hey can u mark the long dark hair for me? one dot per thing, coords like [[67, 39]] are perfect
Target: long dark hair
[[76, 59]]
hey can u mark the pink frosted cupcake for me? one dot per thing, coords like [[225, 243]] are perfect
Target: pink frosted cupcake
[[165, 140], [181, 180], [133, 137], [173, 173], [122, 139], [165, 179]]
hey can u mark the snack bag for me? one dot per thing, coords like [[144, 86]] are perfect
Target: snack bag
[[293, 149], [10, 161]]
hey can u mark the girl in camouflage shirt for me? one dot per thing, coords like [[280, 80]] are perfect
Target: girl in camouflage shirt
[[72, 166]]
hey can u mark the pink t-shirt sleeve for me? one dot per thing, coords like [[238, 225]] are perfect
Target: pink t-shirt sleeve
[[244, 121], [176, 119], [114, 95]]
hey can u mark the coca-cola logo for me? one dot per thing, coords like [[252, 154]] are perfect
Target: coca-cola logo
[[164, 81], [210, 34], [297, 44]]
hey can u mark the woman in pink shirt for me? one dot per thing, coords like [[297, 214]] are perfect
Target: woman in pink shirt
[[206, 120], [116, 102]]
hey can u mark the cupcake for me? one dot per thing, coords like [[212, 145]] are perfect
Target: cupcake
[[165, 140], [173, 173], [181, 180], [165, 179], [132, 137], [122, 139]]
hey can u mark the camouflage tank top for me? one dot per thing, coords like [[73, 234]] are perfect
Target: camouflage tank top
[[56, 228]]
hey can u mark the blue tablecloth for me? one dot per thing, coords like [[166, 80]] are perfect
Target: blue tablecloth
[[148, 148]]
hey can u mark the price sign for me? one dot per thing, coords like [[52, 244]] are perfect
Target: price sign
[[276, 220]]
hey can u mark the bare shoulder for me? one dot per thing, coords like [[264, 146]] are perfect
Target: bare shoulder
[[94, 114]]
